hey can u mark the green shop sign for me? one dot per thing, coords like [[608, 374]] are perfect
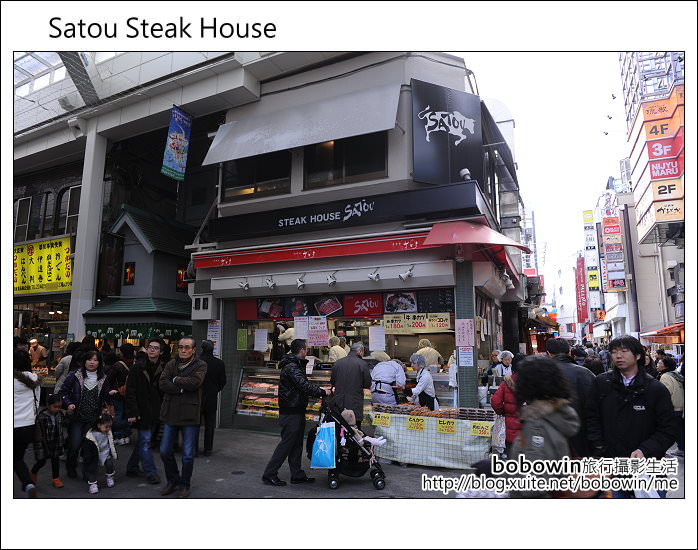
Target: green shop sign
[[138, 330]]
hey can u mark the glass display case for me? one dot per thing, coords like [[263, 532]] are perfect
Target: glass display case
[[258, 393]]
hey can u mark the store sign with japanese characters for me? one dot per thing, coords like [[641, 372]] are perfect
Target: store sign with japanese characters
[[42, 266]]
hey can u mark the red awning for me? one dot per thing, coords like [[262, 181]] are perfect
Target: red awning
[[470, 233], [485, 242], [671, 329]]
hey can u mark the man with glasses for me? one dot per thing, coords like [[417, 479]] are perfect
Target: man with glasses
[[143, 408], [629, 413], [180, 383]]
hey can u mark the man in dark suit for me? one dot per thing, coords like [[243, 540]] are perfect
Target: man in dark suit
[[350, 377], [213, 383]]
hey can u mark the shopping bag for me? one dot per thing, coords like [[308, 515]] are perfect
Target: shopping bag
[[499, 434], [641, 493], [324, 447]]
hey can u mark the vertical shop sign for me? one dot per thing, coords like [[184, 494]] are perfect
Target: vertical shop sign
[[581, 288], [446, 133], [174, 162]]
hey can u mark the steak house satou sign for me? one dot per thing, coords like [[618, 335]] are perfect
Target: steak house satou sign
[[458, 199]]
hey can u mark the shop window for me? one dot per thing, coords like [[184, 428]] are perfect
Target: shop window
[[129, 273], [258, 176], [68, 210], [22, 219], [181, 285], [358, 158]]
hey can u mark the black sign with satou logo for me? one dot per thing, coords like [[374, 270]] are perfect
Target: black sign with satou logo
[[446, 132]]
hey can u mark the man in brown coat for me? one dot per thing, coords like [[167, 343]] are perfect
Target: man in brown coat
[[350, 376], [180, 383]]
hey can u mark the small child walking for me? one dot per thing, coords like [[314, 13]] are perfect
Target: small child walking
[[98, 449], [52, 440]]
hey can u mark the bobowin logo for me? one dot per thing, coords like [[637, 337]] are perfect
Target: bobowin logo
[[452, 122]]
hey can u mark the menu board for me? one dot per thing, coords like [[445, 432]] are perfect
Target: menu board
[[436, 300], [438, 321], [416, 322], [395, 324]]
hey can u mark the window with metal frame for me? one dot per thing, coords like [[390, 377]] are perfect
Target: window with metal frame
[[258, 176], [22, 219], [349, 160]]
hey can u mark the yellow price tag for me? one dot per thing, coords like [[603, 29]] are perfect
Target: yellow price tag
[[415, 423], [271, 414], [483, 429], [446, 426], [381, 419]]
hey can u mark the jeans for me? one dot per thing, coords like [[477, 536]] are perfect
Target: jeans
[[21, 438], [76, 434], [121, 427], [142, 453], [190, 437]]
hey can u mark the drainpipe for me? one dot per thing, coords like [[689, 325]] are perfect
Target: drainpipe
[[662, 286]]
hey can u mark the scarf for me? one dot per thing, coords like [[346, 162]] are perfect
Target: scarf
[[91, 380]]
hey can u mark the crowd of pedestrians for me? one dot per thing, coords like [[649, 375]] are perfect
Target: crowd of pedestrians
[[618, 401]]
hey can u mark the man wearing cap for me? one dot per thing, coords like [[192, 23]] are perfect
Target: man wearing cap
[[214, 381], [38, 353]]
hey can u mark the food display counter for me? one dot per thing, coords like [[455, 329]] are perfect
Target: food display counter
[[257, 398]]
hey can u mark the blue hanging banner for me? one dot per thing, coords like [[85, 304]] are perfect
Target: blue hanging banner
[[174, 162]]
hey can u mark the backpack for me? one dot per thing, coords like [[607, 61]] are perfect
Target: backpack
[[676, 376]]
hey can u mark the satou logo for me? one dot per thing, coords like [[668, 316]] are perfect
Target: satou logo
[[453, 123], [365, 305]]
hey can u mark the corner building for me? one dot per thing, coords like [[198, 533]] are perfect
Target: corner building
[[371, 189]]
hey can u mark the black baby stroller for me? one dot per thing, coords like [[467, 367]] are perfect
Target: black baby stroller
[[351, 459]]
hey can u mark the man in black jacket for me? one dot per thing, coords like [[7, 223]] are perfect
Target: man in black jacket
[[630, 413], [294, 390], [580, 380], [213, 383], [350, 377], [143, 408]]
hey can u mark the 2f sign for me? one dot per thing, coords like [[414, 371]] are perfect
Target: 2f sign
[[666, 189]]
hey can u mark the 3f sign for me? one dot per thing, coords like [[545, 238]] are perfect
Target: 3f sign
[[666, 189], [661, 150]]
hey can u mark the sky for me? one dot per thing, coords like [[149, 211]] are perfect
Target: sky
[[560, 103]]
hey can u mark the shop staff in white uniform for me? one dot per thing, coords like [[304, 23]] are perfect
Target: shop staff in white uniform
[[423, 393], [504, 366]]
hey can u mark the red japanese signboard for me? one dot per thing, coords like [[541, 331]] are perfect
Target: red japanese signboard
[[363, 304], [667, 168], [581, 287], [666, 148], [612, 230]]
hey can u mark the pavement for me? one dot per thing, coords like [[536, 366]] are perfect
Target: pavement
[[235, 468]]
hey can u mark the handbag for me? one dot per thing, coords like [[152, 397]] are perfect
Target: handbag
[[324, 447]]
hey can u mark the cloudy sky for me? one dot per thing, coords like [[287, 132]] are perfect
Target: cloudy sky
[[560, 103]]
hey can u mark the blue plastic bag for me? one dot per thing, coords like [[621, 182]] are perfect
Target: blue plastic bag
[[324, 447]]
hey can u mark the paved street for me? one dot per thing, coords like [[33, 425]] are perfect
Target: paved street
[[234, 471]]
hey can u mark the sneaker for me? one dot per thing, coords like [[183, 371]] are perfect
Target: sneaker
[[32, 476], [110, 481], [93, 488], [30, 490], [57, 483]]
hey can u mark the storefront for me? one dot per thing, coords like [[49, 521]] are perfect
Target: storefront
[[670, 338], [41, 299]]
